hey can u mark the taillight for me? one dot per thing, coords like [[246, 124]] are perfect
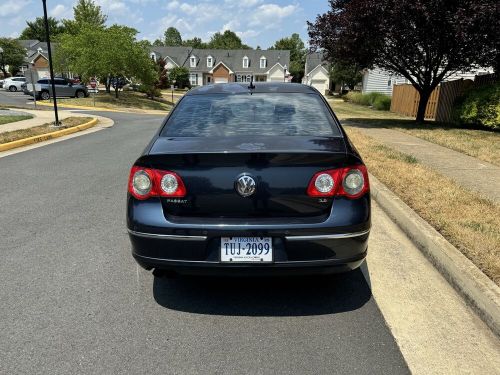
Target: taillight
[[148, 182], [351, 182]]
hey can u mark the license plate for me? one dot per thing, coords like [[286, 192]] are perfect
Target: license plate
[[246, 249]]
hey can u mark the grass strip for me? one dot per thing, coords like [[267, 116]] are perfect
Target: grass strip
[[14, 118], [481, 144], [471, 223], [42, 129], [126, 99]]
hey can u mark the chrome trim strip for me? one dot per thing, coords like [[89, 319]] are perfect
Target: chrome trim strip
[[168, 236], [327, 236]]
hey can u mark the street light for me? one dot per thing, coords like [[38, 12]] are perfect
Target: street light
[[50, 61]]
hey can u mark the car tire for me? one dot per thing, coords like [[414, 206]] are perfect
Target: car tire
[[80, 94], [45, 95], [12, 88]]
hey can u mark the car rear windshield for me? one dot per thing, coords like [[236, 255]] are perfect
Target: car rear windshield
[[285, 114]]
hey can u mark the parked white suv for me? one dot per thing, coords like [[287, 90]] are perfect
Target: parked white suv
[[13, 83]]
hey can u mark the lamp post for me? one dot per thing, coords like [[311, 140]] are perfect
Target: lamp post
[[50, 62]]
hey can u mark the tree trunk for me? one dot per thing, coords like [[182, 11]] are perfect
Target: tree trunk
[[4, 71], [116, 90], [108, 85], [422, 104]]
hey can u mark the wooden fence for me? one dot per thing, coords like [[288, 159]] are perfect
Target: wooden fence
[[405, 98]]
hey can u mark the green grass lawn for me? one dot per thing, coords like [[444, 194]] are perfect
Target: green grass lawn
[[481, 144], [126, 99], [14, 118]]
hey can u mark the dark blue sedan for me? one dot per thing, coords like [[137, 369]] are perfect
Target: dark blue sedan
[[249, 179]]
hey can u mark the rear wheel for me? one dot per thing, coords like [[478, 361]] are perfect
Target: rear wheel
[[45, 95], [80, 94], [12, 88]]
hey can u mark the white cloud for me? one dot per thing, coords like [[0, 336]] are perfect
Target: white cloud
[[12, 6], [113, 6], [59, 11], [172, 5], [231, 25], [268, 15]]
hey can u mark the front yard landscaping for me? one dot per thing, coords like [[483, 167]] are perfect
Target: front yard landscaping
[[42, 129], [126, 100], [469, 222], [481, 144]]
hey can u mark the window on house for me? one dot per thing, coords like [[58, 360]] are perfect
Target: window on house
[[210, 62], [245, 62], [263, 62], [153, 56], [193, 79], [192, 62], [389, 82]]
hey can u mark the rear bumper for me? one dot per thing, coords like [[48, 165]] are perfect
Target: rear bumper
[[297, 255]]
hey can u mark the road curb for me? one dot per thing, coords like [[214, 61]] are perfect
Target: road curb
[[469, 281], [46, 137]]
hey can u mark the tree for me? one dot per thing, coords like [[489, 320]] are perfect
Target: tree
[[106, 53], [297, 54], [424, 41], [345, 74], [158, 43], [195, 43], [180, 75], [173, 37], [13, 55], [36, 29], [85, 12], [226, 40]]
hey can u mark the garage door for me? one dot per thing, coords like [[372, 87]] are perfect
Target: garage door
[[220, 80], [320, 85]]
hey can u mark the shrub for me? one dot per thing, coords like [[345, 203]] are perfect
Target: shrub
[[375, 99], [382, 103], [479, 107]]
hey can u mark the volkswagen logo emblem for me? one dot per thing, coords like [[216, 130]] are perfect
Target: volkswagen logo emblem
[[245, 185]]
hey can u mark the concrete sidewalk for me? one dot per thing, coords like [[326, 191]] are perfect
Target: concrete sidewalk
[[39, 118], [469, 172]]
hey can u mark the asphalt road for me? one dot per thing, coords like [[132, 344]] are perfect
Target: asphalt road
[[16, 99], [74, 301]]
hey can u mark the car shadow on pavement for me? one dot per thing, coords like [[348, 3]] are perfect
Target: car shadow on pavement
[[292, 296]]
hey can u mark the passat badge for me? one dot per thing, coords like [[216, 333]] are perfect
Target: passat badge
[[245, 185]]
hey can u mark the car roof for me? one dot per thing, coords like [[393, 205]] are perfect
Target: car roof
[[260, 87]]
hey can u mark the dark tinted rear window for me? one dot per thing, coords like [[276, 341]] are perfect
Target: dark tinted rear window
[[285, 114]]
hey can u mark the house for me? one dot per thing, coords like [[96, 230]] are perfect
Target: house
[[317, 73], [207, 66], [36, 61], [382, 81], [379, 80]]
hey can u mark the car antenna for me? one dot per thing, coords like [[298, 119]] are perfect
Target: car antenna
[[251, 86]]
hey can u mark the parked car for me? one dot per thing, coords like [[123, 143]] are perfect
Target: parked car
[[64, 88], [240, 184], [13, 84], [1, 83]]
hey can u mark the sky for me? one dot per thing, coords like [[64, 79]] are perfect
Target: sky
[[257, 22]]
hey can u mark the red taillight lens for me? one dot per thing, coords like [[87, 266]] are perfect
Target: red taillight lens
[[351, 182], [148, 182]]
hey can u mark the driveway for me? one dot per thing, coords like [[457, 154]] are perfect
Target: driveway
[[74, 301]]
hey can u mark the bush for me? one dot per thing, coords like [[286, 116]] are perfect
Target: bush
[[374, 99], [382, 103], [479, 107]]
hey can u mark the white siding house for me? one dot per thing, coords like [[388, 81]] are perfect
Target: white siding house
[[378, 80], [316, 72]]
